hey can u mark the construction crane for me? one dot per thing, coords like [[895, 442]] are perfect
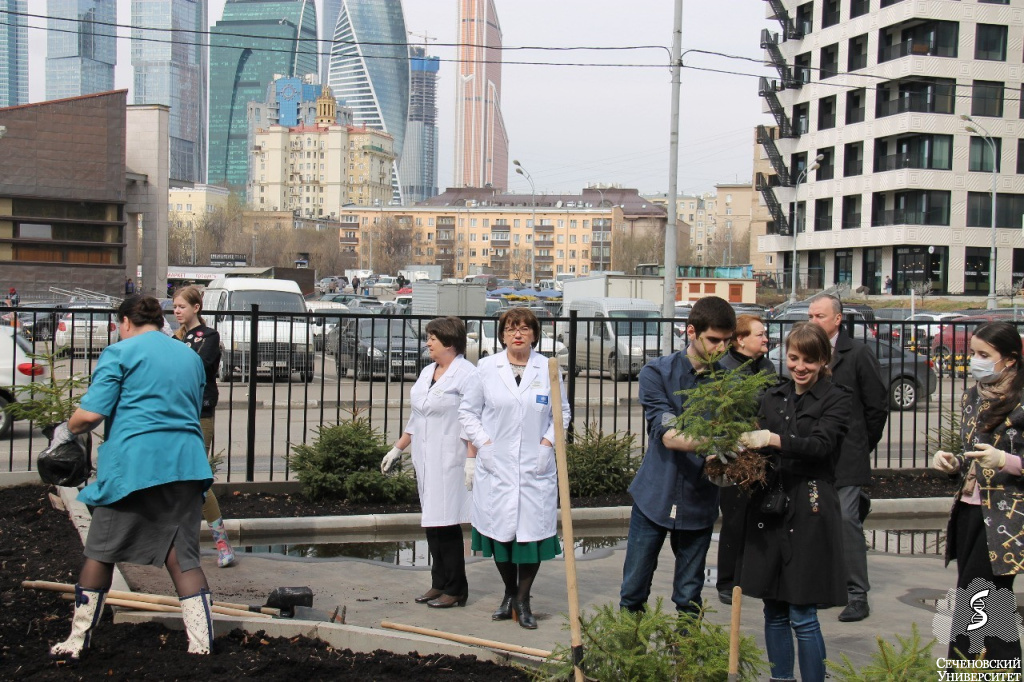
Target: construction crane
[[425, 36]]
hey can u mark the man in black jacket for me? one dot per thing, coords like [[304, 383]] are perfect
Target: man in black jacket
[[854, 366]]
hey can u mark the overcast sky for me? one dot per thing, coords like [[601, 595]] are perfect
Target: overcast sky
[[575, 125]]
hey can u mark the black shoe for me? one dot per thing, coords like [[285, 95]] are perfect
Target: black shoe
[[725, 596], [856, 610], [432, 593], [504, 611], [522, 609], [446, 601]]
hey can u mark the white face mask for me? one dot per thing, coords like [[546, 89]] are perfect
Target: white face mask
[[984, 371]]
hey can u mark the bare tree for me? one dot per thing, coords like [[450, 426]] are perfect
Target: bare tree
[[520, 265], [389, 246]]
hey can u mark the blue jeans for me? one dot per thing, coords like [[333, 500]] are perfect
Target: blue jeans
[[642, 549], [779, 617]]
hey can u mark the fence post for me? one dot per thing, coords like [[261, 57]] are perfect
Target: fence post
[[250, 427], [572, 374]]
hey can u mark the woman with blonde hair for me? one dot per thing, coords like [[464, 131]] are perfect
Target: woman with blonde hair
[[188, 302]]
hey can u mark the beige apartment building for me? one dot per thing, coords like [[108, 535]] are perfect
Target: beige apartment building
[[314, 170], [471, 230], [189, 205], [716, 223]]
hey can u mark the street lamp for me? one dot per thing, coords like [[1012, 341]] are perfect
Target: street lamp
[[985, 135], [533, 221], [796, 217]]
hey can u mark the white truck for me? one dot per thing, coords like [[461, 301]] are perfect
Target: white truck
[[283, 345], [439, 298], [613, 286], [418, 273], [615, 335]]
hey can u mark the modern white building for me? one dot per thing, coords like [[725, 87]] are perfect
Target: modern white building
[[878, 90]]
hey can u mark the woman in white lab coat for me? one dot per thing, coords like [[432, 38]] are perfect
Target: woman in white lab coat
[[508, 418], [439, 458]]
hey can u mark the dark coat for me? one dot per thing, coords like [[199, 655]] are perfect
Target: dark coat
[[856, 367], [206, 341], [798, 557], [1002, 494]]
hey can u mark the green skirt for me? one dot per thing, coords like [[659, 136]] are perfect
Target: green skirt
[[515, 551]]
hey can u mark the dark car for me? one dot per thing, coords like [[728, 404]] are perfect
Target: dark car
[[864, 329], [908, 375], [373, 346]]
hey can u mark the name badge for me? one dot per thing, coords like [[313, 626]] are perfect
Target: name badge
[[535, 384], [542, 400], [437, 392]]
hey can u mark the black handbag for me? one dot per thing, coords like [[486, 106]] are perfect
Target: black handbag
[[775, 501], [65, 464]]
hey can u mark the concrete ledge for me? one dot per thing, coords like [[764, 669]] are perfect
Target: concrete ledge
[[356, 638], [911, 507], [11, 479]]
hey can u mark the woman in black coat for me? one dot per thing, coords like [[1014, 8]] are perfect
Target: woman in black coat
[[793, 559]]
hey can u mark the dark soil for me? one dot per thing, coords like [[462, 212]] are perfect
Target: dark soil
[[38, 542], [885, 485]]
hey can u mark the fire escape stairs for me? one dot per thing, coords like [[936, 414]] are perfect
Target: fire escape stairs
[[780, 14], [763, 184], [770, 44], [764, 138], [767, 89]]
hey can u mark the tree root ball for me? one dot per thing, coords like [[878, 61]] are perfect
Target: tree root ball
[[747, 471]]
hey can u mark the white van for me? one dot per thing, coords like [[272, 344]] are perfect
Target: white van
[[283, 343], [623, 336]]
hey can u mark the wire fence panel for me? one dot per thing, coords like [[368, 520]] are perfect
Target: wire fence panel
[[283, 377]]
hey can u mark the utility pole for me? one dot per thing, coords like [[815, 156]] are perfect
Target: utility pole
[[669, 309]]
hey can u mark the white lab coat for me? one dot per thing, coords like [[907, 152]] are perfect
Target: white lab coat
[[515, 490], [438, 445]]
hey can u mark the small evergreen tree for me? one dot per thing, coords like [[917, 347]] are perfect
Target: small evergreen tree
[[51, 401]]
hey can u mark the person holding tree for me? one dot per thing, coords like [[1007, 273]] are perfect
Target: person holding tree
[[671, 495], [792, 555]]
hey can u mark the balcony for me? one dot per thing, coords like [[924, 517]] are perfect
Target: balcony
[[851, 221], [544, 243], [547, 227], [902, 216], [920, 103], [544, 259], [500, 238], [349, 241]]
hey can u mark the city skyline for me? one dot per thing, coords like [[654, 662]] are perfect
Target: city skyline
[[576, 125], [80, 51], [14, 49]]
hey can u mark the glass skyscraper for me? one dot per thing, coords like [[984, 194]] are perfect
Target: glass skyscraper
[[170, 69], [81, 47], [13, 54], [254, 41], [418, 169], [329, 10], [369, 68]]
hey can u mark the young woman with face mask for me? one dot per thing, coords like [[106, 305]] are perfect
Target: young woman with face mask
[[987, 510]]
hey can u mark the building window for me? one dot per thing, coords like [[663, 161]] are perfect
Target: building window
[[1009, 209], [827, 166], [934, 152], [927, 39], [805, 18], [827, 113], [855, 106], [980, 158], [976, 269], [1020, 157], [987, 99], [990, 42], [853, 159], [801, 69], [851, 212], [801, 118], [859, 8], [829, 13], [823, 215], [829, 61], [871, 270]]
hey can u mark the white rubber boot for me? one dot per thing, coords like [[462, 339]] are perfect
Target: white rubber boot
[[88, 609], [198, 617]]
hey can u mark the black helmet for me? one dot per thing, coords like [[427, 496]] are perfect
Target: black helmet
[[66, 464]]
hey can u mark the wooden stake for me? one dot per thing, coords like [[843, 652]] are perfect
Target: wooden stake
[[568, 549], [264, 612], [734, 635], [165, 608], [466, 639]]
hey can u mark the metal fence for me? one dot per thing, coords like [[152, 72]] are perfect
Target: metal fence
[[307, 370]]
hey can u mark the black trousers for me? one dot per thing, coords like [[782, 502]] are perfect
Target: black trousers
[[972, 561], [733, 501], [448, 556]]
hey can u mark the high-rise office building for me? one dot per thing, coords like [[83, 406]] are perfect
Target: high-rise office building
[[329, 10], [418, 168], [481, 144], [876, 175], [13, 54], [170, 69], [369, 68], [255, 41], [81, 47]]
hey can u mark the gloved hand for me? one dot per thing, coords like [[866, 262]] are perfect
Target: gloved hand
[[723, 457], [755, 440], [722, 481], [390, 460], [988, 457], [945, 462], [470, 472], [62, 434]]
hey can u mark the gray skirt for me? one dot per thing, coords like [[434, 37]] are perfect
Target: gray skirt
[[142, 527]]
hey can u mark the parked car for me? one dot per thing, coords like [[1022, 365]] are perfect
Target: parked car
[[950, 347], [908, 375], [917, 330], [346, 298], [84, 333], [320, 326], [370, 347], [482, 340], [16, 369]]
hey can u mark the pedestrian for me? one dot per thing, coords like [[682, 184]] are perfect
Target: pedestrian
[[854, 366], [510, 420], [192, 329], [129, 286], [888, 284], [147, 497], [14, 297], [990, 487], [747, 353], [791, 558], [355, 285], [439, 459], [671, 495]]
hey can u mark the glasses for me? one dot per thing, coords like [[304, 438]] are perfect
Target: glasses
[[524, 330]]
